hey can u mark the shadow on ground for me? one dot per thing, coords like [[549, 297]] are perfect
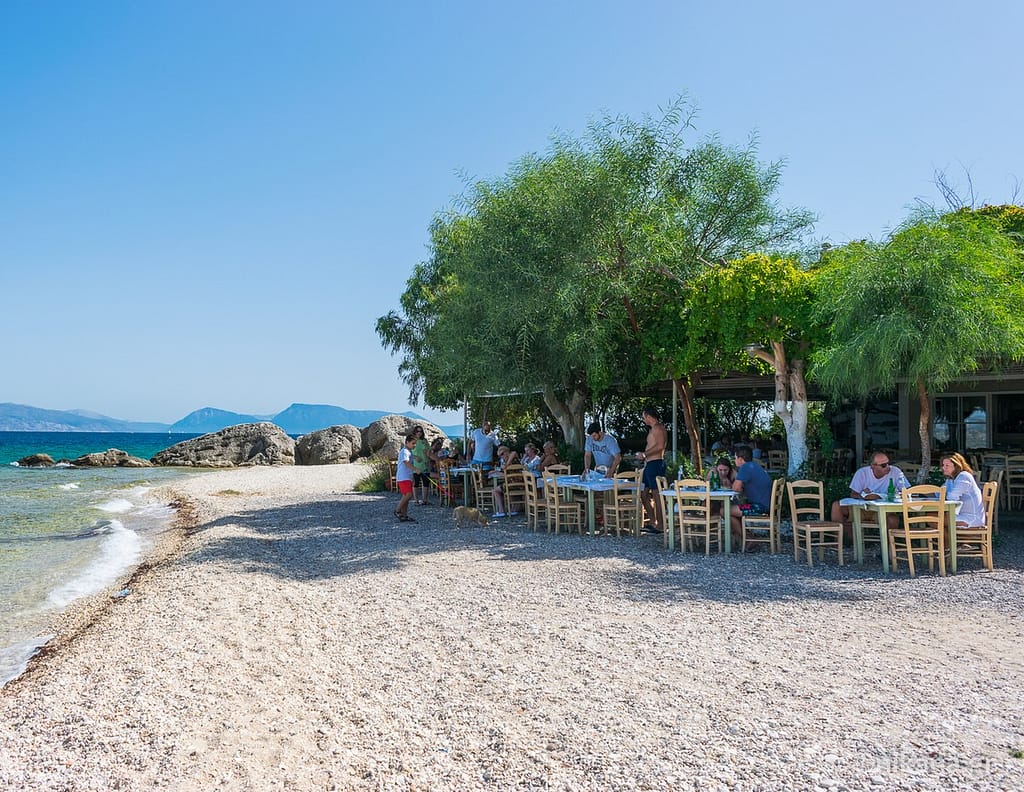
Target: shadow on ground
[[356, 534]]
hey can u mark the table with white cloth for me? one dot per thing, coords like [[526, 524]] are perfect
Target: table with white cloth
[[723, 496], [590, 486], [883, 508]]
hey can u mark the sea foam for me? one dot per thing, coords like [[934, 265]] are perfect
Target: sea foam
[[116, 506], [120, 549]]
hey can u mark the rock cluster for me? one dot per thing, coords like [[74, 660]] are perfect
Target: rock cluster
[[246, 444], [112, 457]]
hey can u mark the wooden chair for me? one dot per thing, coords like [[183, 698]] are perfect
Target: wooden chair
[[910, 469], [696, 522], [535, 504], [991, 462], [514, 487], [1014, 482], [561, 469], [622, 507], [977, 537], [810, 528], [560, 513], [764, 529], [923, 530], [449, 486], [482, 488], [778, 460], [392, 482], [997, 479]]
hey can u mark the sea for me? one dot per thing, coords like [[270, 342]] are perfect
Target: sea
[[68, 532]]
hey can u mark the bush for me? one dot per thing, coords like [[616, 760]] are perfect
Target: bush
[[377, 476]]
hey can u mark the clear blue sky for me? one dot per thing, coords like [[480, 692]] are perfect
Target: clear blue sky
[[210, 203]]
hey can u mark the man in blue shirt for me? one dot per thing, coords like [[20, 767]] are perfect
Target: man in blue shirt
[[754, 483], [602, 449]]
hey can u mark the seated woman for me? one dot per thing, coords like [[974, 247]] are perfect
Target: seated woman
[[961, 486], [531, 459], [726, 478], [506, 457]]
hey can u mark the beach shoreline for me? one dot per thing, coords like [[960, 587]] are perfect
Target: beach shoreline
[[286, 632]]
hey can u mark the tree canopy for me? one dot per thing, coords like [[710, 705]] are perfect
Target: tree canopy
[[551, 278], [943, 294]]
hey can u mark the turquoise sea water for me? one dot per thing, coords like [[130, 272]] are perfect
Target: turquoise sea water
[[69, 532]]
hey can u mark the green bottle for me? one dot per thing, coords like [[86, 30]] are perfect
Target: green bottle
[[892, 491]]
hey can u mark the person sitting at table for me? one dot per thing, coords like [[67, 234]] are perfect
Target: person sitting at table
[[961, 486], [726, 478], [722, 445], [506, 457], [601, 448], [481, 446], [755, 485], [531, 459], [870, 482], [550, 456]]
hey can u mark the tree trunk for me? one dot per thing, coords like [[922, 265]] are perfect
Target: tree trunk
[[690, 422], [569, 414], [923, 427], [796, 431]]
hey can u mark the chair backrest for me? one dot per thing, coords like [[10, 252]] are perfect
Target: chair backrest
[[626, 487], [989, 498], [924, 508], [552, 493], [561, 469], [806, 500], [693, 497], [775, 510]]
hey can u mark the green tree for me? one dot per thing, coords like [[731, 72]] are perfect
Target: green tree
[[928, 305], [549, 279], [758, 307]]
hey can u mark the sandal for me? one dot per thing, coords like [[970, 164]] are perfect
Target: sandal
[[405, 518]]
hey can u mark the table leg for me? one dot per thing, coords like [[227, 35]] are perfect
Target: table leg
[[858, 534], [465, 488], [670, 517], [883, 535], [951, 536], [726, 523], [591, 518]]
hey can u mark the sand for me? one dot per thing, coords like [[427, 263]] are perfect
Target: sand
[[290, 634]]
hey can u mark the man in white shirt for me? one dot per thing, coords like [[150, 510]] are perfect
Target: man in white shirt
[[482, 445], [870, 482]]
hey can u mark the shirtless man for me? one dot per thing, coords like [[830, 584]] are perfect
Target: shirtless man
[[654, 466]]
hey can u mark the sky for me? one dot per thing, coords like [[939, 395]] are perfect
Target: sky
[[211, 203]]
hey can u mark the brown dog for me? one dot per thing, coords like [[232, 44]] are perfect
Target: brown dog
[[464, 515]]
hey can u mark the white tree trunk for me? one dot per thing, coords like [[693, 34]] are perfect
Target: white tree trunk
[[569, 414]]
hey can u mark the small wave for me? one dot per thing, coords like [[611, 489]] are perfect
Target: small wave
[[120, 550], [116, 506], [14, 658], [70, 486]]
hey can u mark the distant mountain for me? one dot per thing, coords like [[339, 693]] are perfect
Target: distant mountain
[[295, 420], [210, 419], [301, 418], [23, 418]]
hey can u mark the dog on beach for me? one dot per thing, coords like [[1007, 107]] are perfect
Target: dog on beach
[[464, 515]]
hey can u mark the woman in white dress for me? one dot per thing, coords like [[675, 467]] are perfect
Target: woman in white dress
[[961, 486]]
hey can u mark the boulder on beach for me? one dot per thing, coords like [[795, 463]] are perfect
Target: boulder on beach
[[386, 435], [112, 457], [236, 446], [36, 460], [330, 446]]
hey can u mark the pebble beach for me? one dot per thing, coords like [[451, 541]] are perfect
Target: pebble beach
[[289, 633]]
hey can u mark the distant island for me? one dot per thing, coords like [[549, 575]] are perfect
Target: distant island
[[296, 419]]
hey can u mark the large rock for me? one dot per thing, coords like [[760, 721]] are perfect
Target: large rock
[[36, 460], [386, 435], [112, 457], [329, 446], [245, 444]]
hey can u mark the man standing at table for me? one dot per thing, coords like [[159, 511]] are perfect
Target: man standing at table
[[870, 482], [482, 444], [602, 449], [755, 485], [654, 465]]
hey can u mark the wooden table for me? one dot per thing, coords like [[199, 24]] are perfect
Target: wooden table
[[723, 496], [883, 508], [591, 486]]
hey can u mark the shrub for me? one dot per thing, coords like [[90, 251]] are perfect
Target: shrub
[[378, 474]]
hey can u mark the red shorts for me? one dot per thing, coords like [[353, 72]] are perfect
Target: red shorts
[[405, 487]]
